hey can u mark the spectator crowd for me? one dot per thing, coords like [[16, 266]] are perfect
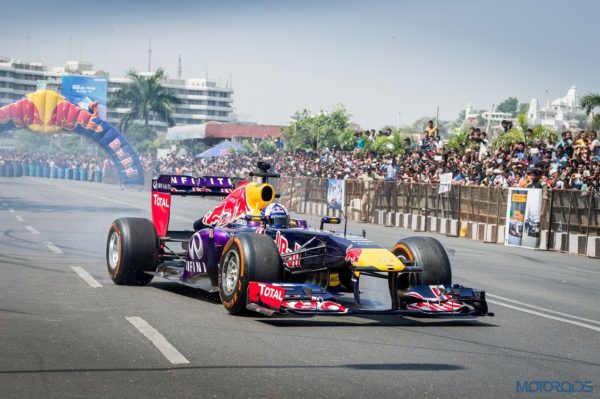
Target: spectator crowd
[[66, 161], [573, 162]]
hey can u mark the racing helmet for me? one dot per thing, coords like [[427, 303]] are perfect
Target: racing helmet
[[276, 215]]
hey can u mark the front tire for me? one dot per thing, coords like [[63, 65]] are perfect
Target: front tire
[[131, 250], [428, 254], [247, 257]]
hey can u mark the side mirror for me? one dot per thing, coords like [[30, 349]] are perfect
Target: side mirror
[[329, 220]]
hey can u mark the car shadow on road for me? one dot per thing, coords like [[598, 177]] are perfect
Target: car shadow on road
[[189, 292], [374, 321], [360, 366]]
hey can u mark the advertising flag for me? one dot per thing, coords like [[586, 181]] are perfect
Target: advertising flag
[[523, 215], [335, 194]]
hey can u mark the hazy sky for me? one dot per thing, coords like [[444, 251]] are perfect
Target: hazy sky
[[378, 58]]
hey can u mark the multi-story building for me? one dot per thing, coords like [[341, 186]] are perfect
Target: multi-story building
[[201, 99], [560, 113]]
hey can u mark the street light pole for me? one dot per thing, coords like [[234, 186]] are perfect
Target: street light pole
[[487, 129]]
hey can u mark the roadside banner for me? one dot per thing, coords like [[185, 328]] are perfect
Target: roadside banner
[[335, 194], [83, 91], [523, 214], [445, 182]]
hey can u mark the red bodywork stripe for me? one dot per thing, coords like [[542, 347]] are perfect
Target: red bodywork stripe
[[161, 212]]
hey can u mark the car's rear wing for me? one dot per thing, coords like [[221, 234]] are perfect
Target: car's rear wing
[[166, 185]]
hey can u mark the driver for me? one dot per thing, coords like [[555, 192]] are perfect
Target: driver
[[276, 216]]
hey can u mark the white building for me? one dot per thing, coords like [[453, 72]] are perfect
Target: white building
[[201, 99], [494, 118], [561, 113]]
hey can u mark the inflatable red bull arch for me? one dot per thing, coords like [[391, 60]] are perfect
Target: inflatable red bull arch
[[47, 112]]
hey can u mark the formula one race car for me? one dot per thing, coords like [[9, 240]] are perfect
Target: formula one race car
[[259, 259]]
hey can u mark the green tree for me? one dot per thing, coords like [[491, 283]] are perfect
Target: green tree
[[543, 133], [517, 134], [588, 103], [145, 96], [523, 108], [326, 129], [141, 139], [458, 141], [522, 122], [509, 139], [420, 124], [267, 147], [509, 105]]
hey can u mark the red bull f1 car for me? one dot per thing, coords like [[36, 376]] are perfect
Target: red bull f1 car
[[276, 265]]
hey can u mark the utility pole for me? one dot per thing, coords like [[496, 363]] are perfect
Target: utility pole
[[179, 68], [70, 46], [150, 55], [398, 120], [27, 47], [487, 129]]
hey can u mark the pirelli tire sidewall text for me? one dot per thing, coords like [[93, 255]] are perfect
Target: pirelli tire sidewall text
[[137, 246], [428, 254], [259, 261]]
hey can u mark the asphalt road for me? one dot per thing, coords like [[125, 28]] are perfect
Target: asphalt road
[[64, 338]]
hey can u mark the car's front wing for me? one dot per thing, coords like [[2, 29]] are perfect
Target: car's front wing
[[281, 299]]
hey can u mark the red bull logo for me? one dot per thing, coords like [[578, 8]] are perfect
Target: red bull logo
[[353, 254], [284, 247], [233, 207], [48, 112]]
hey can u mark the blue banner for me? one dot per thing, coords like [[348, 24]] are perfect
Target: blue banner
[[83, 91]]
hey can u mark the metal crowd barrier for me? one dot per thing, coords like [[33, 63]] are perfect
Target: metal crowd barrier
[[570, 219]]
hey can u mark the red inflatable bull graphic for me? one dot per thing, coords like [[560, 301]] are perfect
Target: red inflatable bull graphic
[[47, 112], [21, 114]]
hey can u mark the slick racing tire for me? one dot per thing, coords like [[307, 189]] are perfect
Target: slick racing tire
[[246, 257], [428, 254], [131, 250]]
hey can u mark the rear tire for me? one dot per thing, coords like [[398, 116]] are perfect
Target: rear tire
[[428, 254], [131, 250], [247, 257]]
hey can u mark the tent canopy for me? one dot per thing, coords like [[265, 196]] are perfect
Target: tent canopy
[[221, 149]]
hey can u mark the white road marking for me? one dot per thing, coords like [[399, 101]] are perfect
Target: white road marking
[[53, 248], [547, 316], [33, 231], [20, 218], [542, 309], [168, 350], [583, 270], [85, 276], [11, 210]]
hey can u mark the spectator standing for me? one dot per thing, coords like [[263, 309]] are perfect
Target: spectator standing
[[431, 131]]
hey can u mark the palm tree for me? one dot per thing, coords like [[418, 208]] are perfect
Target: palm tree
[[144, 96], [588, 103]]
